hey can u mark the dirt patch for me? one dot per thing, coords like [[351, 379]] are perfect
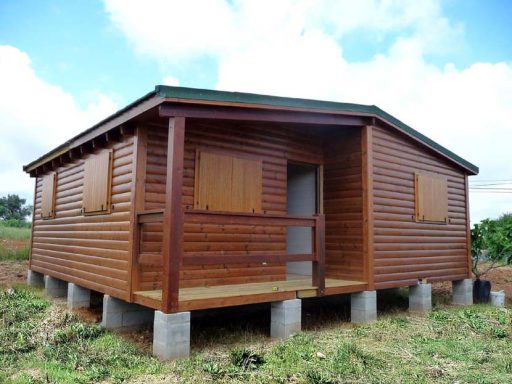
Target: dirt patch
[[13, 272], [13, 244], [501, 279]]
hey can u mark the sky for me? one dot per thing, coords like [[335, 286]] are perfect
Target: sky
[[442, 67]]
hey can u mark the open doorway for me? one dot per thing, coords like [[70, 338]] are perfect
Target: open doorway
[[303, 200]]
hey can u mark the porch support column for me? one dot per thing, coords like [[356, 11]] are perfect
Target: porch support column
[[173, 217], [367, 191], [319, 262]]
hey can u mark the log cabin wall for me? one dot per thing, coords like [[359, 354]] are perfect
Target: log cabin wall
[[274, 145], [92, 251], [406, 250], [343, 207], [149, 259]]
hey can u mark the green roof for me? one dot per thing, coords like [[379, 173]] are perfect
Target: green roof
[[252, 98]]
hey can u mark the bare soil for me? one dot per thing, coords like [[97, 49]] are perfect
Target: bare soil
[[13, 272], [501, 280]]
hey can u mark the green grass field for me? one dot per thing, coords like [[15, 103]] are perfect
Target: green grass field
[[14, 243], [41, 342]]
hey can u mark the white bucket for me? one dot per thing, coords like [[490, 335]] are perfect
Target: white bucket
[[498, 298]]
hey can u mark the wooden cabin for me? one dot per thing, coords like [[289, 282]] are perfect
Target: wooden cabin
[[192, 199]]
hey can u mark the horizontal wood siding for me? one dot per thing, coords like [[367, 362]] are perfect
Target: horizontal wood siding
[[406, 250], [150, 262], [273, 145], [91, 251], [343, 207]]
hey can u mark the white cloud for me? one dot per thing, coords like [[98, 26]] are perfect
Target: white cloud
[[36, 117], [295, 48], [170, 80]]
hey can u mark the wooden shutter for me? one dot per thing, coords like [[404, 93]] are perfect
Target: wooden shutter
[[213, 180], [48, 196], [246, 185], [431, 198], [97, 182], [227, 183]]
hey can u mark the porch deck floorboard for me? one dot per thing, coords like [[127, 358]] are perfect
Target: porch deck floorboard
[[237, 294]]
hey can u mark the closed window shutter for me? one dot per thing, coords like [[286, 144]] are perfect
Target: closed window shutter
[[227, 183], [97, 182], [246, 185], [48, 195], [431, 198]]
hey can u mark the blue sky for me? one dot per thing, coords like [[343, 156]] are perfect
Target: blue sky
[[443, 67], [75, 45]]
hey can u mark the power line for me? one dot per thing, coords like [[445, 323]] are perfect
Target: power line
[[490, 185], [489, 180]]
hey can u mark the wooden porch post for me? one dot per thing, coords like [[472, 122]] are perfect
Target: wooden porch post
[[367, 178], [137, 203], [319, 262], [172, 250]]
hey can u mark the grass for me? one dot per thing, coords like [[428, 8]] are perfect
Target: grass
[[43, 342], [13, 233], [14, 243]]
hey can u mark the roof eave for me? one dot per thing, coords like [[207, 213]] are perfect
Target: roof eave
[[118, 118], [204, 96]]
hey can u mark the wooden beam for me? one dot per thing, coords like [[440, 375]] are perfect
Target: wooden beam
[[32, 227], [172, 250], [367, 182], [137, 204], [235, 218], [468, 227], [277, 257], [251, 114], [319, 262]]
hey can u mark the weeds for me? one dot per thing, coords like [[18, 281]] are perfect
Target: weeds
[[14, 243], [16, 254], [246, 359], [14, 233], [42, 343]]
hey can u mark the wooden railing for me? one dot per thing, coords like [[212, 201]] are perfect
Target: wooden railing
[[316, 223]]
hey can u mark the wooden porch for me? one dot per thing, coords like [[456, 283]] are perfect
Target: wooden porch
[[296, 286], [201, 297], [186, 237]]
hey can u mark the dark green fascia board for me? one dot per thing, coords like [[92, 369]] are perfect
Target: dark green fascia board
[[252, 98]]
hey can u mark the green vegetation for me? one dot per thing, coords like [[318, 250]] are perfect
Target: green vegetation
[[14, 233], [44, 343], [12, 207], [41, 343], [13, 223], [14, 242], [491, 242]]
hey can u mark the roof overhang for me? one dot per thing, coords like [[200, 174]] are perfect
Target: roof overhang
[[201, 103]]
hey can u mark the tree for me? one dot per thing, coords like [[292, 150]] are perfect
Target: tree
[[491, 241], [13, 207]]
